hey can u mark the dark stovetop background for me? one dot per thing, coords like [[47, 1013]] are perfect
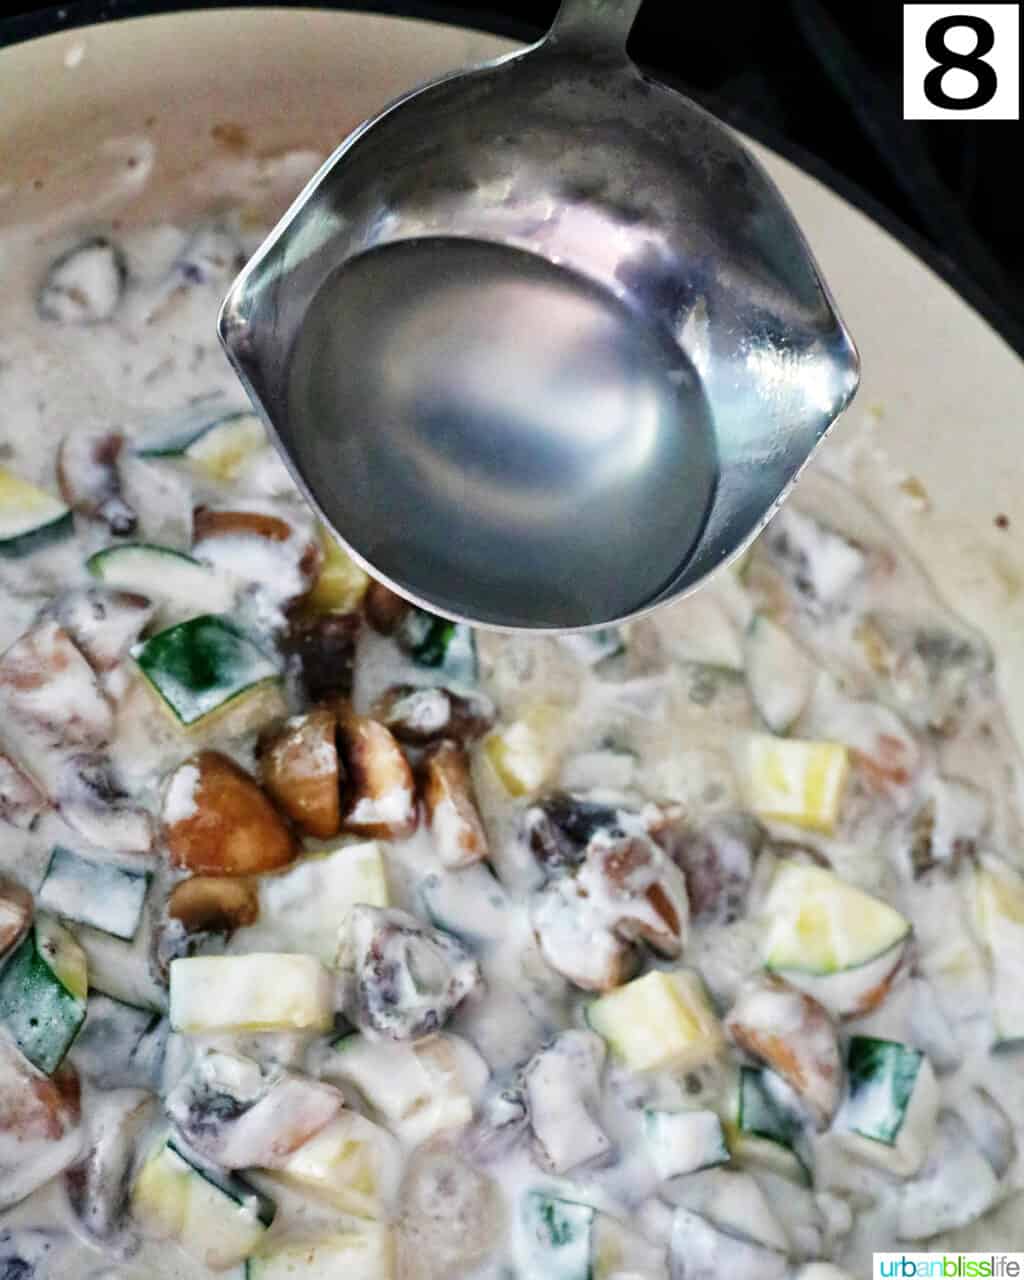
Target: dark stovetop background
[[818, 79]]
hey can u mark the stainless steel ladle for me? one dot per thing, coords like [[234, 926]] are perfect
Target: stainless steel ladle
[[542, 342]]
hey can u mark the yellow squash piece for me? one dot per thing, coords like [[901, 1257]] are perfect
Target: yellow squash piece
[[353, 1164], [662, 1020], [789, 780], [525, 754], [224, 450], [341, 585], [263, 991]]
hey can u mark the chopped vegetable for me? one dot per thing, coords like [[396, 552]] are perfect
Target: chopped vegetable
[[717, 858], [172, 577], [39, 1123], [765, 1132], [793, 1034], [780, 675], [450, 802], [449, 648], [955, 1186], [43, 989], [257, 992], [324, 648], [97, 1185], [170, 436], [563, 1083], [682, 1142], [90, 482], [218, 822], [409, 978], [219, 1220], [422, 714], [262, 549], [120, 1046], [383, 608], [85, 284], [819, 929], [526, 753], [103, 624], [381, 798], [341, 584], [302, 772], [709, 1252], [238, 1114], [575, 939], [555, 1237], [351, 1163], [890, 1113], [30, 518], [223, 450], [365, 1254], [100, 894], [452, 1214], [641, 891], [802, 783], [658, 1022]]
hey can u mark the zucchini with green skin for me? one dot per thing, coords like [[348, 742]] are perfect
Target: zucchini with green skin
[[171, 436], [198, 667], [366, 1254], [681, 1142], [267, 991], [662, 1020], [30, 518], [556, 1237], [449, 648], [765, 1132], [220, 1220], [120, 1045], [891, 1109], [165, 575], [100, 894], [43, 990]]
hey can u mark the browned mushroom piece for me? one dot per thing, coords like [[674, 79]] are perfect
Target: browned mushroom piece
[[559, 827], [641, 891], [575, 940], [450, 802], [381, 798], [90, 482], [21, 801], [422, 714], [302, 771], [39, 1122], [790, 1032], [15, 913], [717, 858], [218, 822], [214, 904], [324, 647], [384, 609], [104, 624], [230, 540], [97, 1185]]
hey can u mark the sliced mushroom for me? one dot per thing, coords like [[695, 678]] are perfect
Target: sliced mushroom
[[241, 1115], [575, 940], [89, 480], [97, 1185], [451, 807], [21, 801], [208, 523], [422, 714], [717, 858], [794, 1035], [91, 800], [384, 609], [259, 548], [409, 978], [563, 1084], [85, 284], [641, 893], [381, 798], [218, 822], [39, 1123], [559, 828], [15, 913], [302, 772], [103, 624], [214, 904], [120, 1046], [324, 648]]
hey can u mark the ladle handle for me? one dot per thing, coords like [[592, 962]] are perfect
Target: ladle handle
[[602, 25]]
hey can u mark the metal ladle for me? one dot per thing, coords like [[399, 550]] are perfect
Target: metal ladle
[[542, 342]]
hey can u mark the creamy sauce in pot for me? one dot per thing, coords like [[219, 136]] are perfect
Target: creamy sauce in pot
[[690, 949]]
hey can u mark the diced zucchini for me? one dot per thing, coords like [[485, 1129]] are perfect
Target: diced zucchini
[[525, 754], [30, 518], [224, 450], [999, 917], [198, 667], [556, 1237], [120, 1046], [789, 780], [342, 584], [662, 1020], [307, 908], [779, 674], [416, 1089], [264, 991], [449, 648], [366, 1254], [219, 1219], [171, 435], [43, 990], [123, 970], [682, 1142], [593, 647], [818, 923], [165, 575], [890, 1112], [765, 1133], [705, 1250], [100, 894], [352, 1164]]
